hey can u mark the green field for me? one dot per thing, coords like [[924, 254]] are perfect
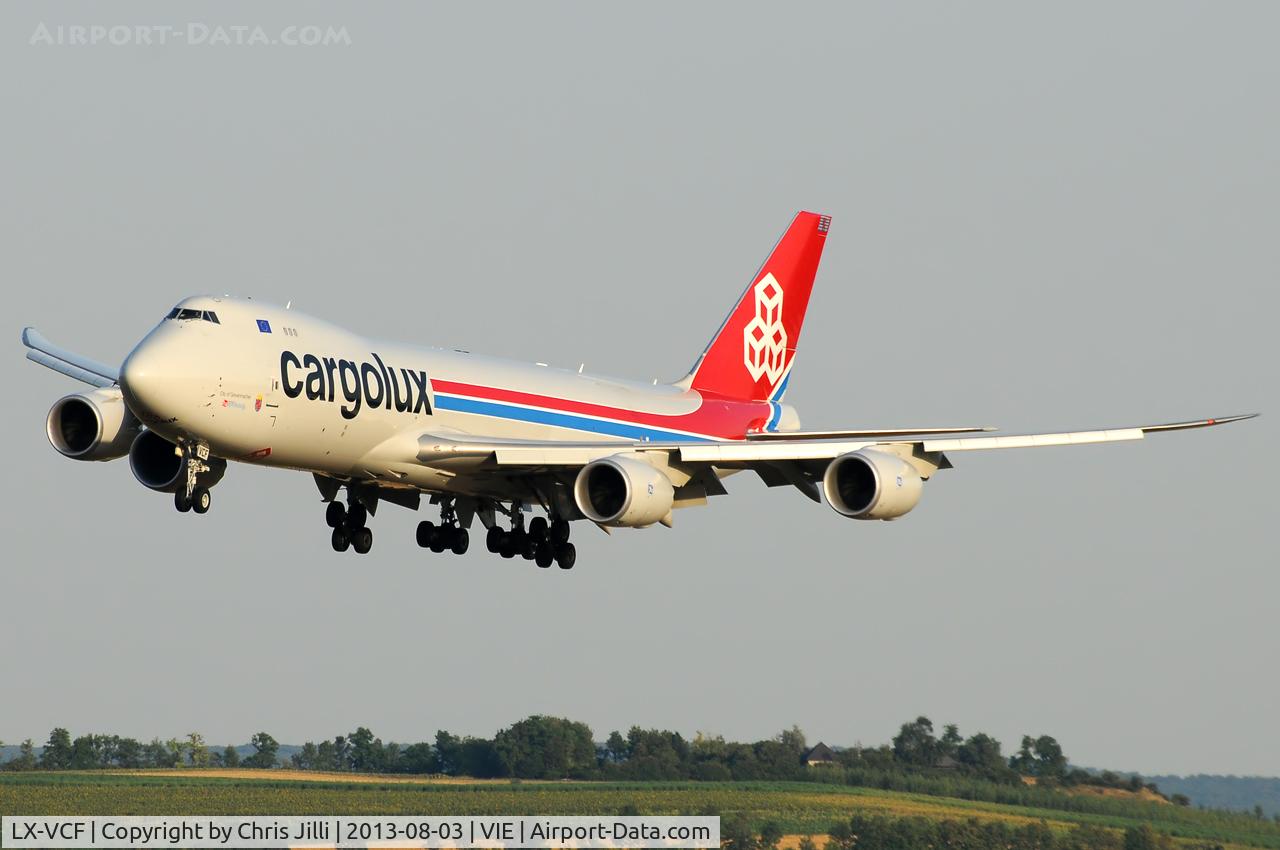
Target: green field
[[798, 807]]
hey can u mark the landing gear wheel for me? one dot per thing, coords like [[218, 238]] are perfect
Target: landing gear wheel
[[538, 528], [508, 548], [517, 538], [426, 531], [440, 539], [180, 501], [559, 532], [336, 514], [362, 540], [357, 516], [461, 540], [545, 557], [200, 500], [340, 540], [566, 556], [530, 547], [493, 540]]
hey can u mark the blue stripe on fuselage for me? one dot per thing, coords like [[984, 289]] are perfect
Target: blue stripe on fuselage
[[782, 388], [774, 417], [560, 420]]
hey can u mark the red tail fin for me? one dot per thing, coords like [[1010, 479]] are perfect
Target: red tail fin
[[751, 355]]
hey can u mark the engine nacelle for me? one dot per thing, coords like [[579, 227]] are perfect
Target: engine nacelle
[[623, 491], [93, 425], [868, 484], [158, 464]]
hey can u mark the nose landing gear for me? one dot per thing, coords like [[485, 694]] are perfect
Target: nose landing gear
[[191, 495]]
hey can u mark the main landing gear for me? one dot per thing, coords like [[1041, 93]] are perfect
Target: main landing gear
[[447, 535], [349, 529], [543, 543]]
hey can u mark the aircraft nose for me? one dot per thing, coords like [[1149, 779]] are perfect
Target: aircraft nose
[[146, 378]]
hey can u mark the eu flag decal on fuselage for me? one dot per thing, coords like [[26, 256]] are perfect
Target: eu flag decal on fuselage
[[264, 326]]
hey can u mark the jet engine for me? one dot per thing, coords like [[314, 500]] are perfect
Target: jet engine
[[869, 484], [92, 425], [158, 464], [623, 491]]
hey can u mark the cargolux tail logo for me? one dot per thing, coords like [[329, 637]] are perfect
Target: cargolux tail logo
[[764, 340]]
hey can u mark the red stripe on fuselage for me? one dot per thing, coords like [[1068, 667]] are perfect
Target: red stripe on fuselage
[[728, 419]]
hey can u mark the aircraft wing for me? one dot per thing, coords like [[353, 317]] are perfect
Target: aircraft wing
[[739, 452], [73, 365], [799, 463], [816, 446]]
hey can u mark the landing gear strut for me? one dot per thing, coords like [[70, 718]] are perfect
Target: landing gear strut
[[348, 524], [449, 534]]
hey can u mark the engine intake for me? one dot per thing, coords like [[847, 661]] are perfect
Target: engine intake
[[868, 484], [94, 425], [158, 464], [623, 491]]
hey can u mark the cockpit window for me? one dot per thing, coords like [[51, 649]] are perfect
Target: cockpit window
[[185, 313]]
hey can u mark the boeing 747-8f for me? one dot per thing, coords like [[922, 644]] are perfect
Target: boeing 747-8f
[[229, 379]]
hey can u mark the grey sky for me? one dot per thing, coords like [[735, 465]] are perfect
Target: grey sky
[[1043, 218]]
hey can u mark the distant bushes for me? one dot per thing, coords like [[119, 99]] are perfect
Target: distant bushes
[[874, 832], [884, 832]]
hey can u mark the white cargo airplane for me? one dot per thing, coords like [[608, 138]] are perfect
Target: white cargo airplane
[[224, 378]]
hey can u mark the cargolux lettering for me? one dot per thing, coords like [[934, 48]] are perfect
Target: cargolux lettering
[[354, 385]]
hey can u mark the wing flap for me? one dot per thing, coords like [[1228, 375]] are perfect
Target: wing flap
[[745, 452], [554, 455], [872, 434]]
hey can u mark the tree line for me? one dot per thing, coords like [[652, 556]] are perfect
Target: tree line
[[543, 747], [92, 752]]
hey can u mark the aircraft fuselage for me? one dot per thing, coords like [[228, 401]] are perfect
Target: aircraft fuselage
[[277, 387]]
